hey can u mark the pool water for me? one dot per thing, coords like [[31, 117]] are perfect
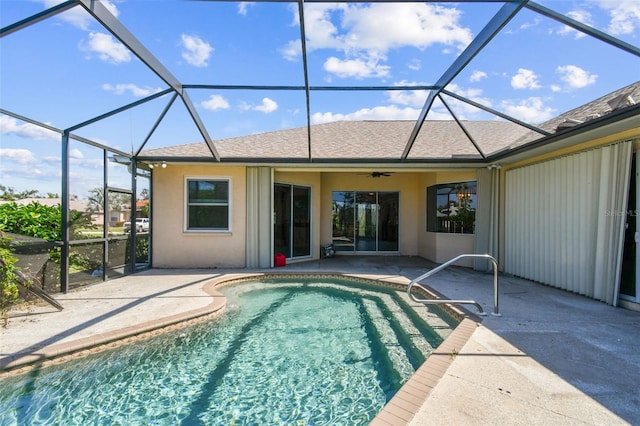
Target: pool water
[[286, 352]]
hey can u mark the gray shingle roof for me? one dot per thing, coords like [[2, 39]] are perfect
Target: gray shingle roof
[[583, 114], [343, 140], [386, 140]]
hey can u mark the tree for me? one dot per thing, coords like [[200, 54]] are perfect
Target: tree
[[10, 194], [117, 200]]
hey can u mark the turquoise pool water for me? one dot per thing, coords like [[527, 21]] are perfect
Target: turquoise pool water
[[285, 352]]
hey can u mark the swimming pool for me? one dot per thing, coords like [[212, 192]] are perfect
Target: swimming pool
[[285, 352]]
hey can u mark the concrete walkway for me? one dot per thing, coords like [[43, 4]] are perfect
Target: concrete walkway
[[552, 357]]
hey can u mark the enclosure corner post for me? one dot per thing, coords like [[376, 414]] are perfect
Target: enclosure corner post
[[64, 229]]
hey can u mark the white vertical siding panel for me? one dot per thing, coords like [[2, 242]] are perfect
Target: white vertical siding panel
[[549, 214]]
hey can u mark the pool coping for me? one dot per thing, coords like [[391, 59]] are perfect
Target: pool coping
[[400, 410]]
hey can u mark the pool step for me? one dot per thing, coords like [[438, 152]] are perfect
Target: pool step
[[403, 332]]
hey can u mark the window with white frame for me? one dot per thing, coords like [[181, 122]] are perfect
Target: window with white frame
[[207, 204]]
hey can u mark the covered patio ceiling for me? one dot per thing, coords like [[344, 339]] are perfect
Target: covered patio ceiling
[[517, 61]]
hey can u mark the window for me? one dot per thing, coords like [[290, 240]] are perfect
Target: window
[[207, 204], [451, 207]]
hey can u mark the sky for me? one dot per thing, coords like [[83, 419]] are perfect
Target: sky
[[68, 69]]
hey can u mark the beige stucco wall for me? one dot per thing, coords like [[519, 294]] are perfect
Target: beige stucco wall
[[175, 248], [440, 247], [313, 180]]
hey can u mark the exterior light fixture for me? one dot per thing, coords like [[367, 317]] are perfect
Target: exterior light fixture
[[156, 165]]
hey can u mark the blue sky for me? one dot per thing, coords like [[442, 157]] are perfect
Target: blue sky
[[68, 68]]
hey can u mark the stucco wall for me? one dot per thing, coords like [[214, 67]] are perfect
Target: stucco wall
[[175, 248]]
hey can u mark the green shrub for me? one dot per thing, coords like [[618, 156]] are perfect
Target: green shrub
[[40, 221], [8, 279], [33, 219]]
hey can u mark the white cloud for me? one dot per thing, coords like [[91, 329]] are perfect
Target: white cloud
[[215, 102], [292, 50], [77, 16], [473, 94], [20, 156], [354, 29], [76, 154], [377, 113], [415, 98], [9, 125], [138, 92], [525, 79], [267, 106], [107, 48], [531, 110], [195, 50], [580, 16], [477, 76], [575, 76], [357, 68], [406, 24], [242, 7], [536, 21], [625, 15]]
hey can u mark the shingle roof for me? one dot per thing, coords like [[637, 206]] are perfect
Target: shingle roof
[[343, 140], [386, 140], [602, 106]]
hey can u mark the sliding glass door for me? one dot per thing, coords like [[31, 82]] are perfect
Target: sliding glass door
[[365, 221], [292, 222]]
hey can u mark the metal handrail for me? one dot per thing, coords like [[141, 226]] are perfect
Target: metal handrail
[[495, 312]]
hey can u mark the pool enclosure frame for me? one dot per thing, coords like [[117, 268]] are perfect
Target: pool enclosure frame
[[139, 163]]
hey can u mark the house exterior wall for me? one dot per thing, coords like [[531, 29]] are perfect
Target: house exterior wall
[[175, 248]]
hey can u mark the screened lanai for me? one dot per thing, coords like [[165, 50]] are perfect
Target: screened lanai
[[97, 94]]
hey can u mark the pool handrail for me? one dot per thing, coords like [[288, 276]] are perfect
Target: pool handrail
[[496, 311]]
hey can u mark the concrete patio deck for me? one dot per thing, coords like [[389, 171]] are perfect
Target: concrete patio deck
[[552, 357]]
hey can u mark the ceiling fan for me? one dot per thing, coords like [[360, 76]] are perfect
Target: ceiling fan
[[376, 174]]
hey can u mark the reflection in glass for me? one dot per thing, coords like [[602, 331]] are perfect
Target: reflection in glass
[[343, 220], [292, 226], [451, 207], [301, 241], [365, 221], [282, 225], [208, 204], [389, 207], [366, 225]]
